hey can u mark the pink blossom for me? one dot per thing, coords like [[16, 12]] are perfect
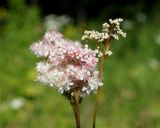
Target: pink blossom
[[68, 64]]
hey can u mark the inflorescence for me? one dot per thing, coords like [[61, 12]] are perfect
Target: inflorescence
[[67, 65], [108, 30], [71, 67]]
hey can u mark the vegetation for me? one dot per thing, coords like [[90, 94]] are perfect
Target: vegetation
[[129, 98]]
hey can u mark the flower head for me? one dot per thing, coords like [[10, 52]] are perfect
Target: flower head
[[68, 64], [111, 29]]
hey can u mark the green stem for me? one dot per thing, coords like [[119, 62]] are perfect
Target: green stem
[[101, 75], [77, 109], [74, 109], [95, 108], [101, 69]]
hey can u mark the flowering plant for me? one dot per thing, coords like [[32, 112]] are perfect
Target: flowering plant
[[109, 32], [71, 67]]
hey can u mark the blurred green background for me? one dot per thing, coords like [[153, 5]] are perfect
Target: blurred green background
[[130, 97]]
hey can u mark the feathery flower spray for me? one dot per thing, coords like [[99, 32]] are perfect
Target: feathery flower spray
[[109, 32], [71, 67], [68, 66]]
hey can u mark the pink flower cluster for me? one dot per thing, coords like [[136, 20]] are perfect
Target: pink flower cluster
[[68, 64]]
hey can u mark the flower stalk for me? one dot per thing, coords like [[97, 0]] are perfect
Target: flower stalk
[[77, 106], [68, 66], [109, 31], [75, 103]]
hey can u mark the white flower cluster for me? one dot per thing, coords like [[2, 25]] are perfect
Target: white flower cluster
[[117, 30], [99, 53], [95, 35], [54, 22], [69, 65], [108, 30], [108, 53]]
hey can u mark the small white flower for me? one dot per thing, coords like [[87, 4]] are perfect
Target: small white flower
[[157, 39], [100, 84], [60, 90], [86, 45], [153, 63], [84, 89], [100, 54], [108, 53], [17, 103], [71, 83], [96, 51]]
